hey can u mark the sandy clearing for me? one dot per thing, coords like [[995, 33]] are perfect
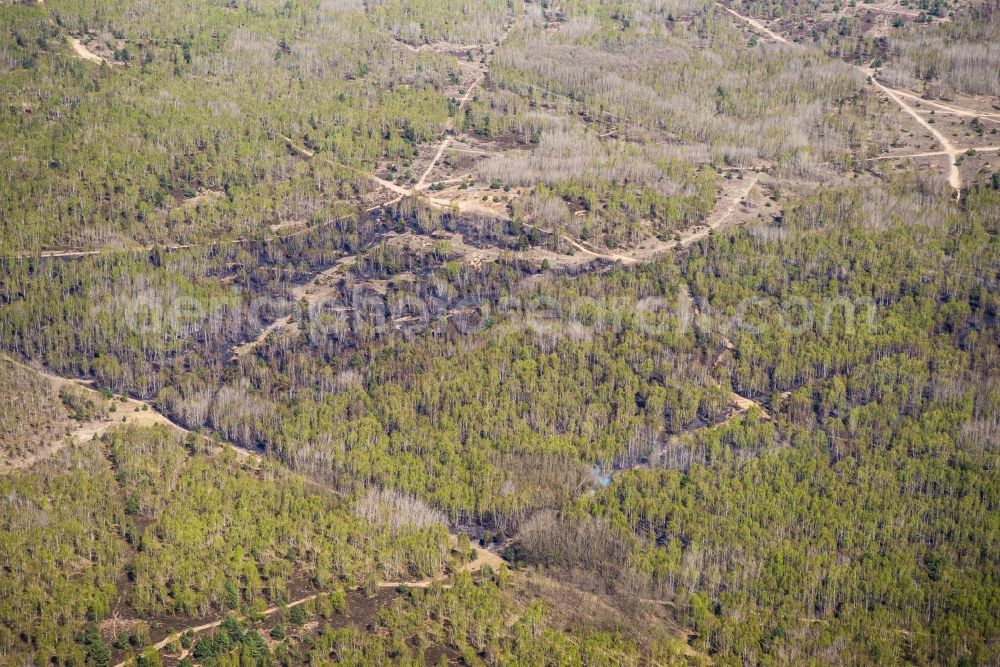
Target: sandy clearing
[[950, 108], [978, 149], [743, 405], [83, 52], [757, 25], [123, 411], [483, 557], [461, 107], [954, 176], [434, 161]]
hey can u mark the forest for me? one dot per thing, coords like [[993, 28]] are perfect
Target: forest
[[500, 332]]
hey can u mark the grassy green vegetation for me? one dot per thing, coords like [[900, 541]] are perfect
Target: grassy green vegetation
[[473, 622], [142, 517], [775, 444], [63, 551], [98, 155], [861, 523]]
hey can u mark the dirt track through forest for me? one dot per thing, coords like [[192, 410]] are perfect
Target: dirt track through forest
[[717, 219], [483, 557], [755, 24], [142, 413], [954, 175], [952, 109], [124, 411], [978, 149]]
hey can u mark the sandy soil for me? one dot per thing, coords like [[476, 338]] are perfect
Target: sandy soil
[[954, 125], [203, 194], [83, 52], [288, 224], [903, 100], [66, 253], [954, 177], [978, 107], [483, 557], [443, 47], [170, 639], [755, 24], [122, 411], [735, 194], [320, 288], [978, 149]]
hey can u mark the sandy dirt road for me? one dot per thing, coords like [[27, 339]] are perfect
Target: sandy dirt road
[[483, 557], [949, 149]]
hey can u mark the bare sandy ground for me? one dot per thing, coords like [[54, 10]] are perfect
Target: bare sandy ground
[[122, 411], [83, 52], [901, 99]]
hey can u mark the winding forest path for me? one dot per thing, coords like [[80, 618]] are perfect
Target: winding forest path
[[949, 149], [952, 109], [755, 24], [954, 175], [720, 215], [483, 557], [718, 218], [978, 149]]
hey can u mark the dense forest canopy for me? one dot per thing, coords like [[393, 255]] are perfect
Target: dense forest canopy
[[499, 332]]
